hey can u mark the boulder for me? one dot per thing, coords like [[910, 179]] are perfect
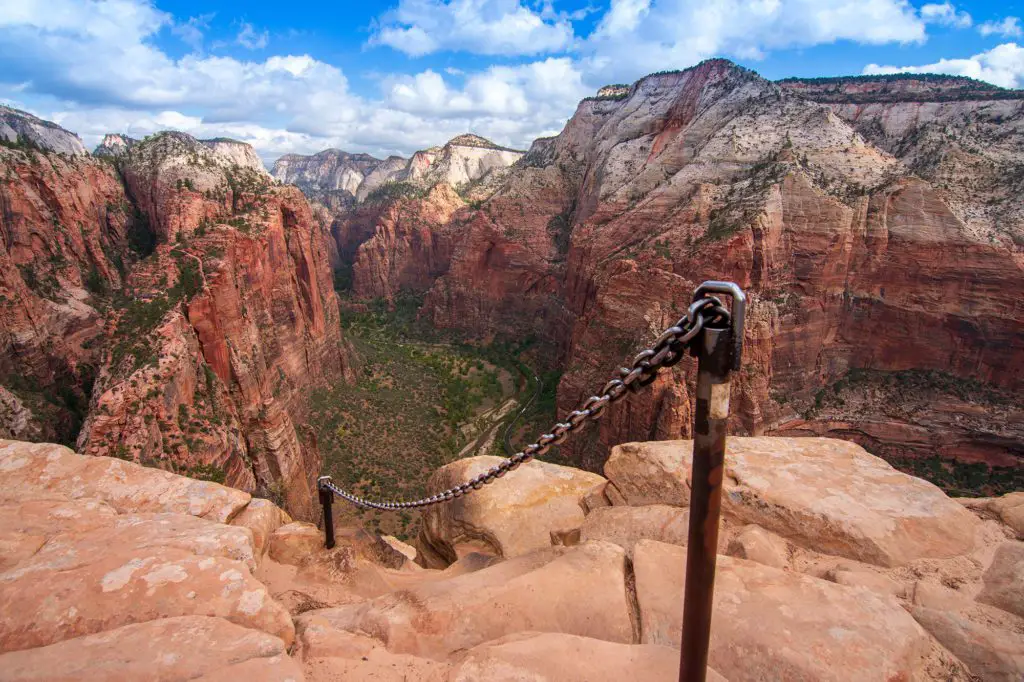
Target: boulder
[[262, 517], [772, 624], [558, 657], [28, 470], [41, 607], [406, 550], [576, 590], [510, 517], [827, 495], [992, 648], [624, 526], [181, 648], [294, 543], [139, 533], [1004, 579], [26, 525], [756, 544], [856, 577]]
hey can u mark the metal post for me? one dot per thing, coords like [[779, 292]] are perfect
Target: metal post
[[327, 499], [718, 353]]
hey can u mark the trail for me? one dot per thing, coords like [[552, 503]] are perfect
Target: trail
[[507, 440]]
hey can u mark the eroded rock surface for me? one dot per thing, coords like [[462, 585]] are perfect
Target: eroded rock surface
[[115, 571], [509, 518], [827, 494], [761, 613]]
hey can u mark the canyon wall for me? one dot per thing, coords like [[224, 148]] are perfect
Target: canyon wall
[[853, 256], [66, 235], [182, 297]]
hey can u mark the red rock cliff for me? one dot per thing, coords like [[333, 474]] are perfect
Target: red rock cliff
[[599, 238]]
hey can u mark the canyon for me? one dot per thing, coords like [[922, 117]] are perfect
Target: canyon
[[169, 301], [874, 223], [172, 316]]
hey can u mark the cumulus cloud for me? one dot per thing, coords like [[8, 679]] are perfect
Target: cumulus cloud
[[1003, 65], [639, 36], [491, 27], [94, 68], [1009, 27], [946, 14]]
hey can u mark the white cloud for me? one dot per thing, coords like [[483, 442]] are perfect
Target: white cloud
[[93, 67], [1009, 27], [1003, 65], [252, 39], [492, 27], [945, 14], [193, 30], [636, 37]]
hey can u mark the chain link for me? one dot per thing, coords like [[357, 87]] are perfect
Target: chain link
[[667, 351]]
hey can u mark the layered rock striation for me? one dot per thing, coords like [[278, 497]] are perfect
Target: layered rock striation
[[855, 255], [172, 305]]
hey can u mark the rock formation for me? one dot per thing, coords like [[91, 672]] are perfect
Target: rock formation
[[334, 177], [114, 571], [257, 326], [22, 128], [331, 175], [867, 271], [69, 234], [171, 306]]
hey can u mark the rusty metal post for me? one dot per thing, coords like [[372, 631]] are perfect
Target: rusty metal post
[[718, 351], [327, 499]]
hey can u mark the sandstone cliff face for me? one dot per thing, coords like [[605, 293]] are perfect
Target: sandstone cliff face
[[65, 229], [20, 126], [231, 320], [410, 246], [597, 239], [333, 175], [114, 145], [332, 170], [962, 136], [176, 300]]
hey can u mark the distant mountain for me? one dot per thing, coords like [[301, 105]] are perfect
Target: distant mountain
[[334, 174], [21, 127]]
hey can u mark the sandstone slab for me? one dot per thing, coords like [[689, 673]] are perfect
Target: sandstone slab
[[1004, 579], [26, 525], [823, 494], [31, 469], [140, 533], [279, 668], [294, 543], [132, 587], [512, 516], [993, 650], [772, 624], [262, 517], [756, 544], [578, 590], [165, 650], [557, 657], [625, 526]]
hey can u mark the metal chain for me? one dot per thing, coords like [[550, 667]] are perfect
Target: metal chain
[[668, 350]]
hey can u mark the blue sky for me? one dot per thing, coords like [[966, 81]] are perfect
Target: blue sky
[[394, 76]]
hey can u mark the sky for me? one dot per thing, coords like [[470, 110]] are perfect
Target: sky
[[393, 76]]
